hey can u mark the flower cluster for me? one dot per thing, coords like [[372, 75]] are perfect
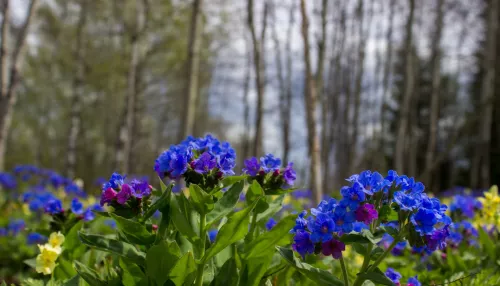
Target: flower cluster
[[49, 252], [197, 160], [366, 202], [7, 181], [465, 205], [491, 206], [117, 192], [43, 178], [463, 232], [267, 171]]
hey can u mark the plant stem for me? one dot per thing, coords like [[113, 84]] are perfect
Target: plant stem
[[203, 237], [366, 260], [252, 226], [386, 252], [344, 271]]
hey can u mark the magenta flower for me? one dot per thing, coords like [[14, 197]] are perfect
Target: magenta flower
[[107, 196], [333, 247], [124, 194], [366, 213]]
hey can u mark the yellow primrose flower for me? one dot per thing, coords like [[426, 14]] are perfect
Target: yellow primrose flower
[[46, 260], [56, 239]]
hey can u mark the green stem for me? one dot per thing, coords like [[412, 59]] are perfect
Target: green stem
[[203, 237], [367, 257], [386, 252], [252, 226], [344, 271]]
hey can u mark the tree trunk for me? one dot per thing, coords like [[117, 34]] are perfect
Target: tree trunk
[[436, 83], [246, 104], [193, 66], [77, 93], [310, 99], [482, 155], [387, 74], [9, 96], [287, 104], [402, 132], [358, 87], [259, 72]]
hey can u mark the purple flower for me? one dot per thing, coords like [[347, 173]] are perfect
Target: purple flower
[[289, 174], [366, 213], [54, 206], [413, 281], [123, 196], [270, 163], [321, 227], [140, 188], [393, 275], [333, 247], [437, 239], [424, 221], [302, 243], [270, 224], [205, 163], [107, 196], [252, 167], [76, 207]]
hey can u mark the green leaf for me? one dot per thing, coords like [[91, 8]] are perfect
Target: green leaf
[[89, 275], [202, 202], [160, 203], [73, 281], [64, 269], [160, 259], [372, 238], [184, 271], [30, 262], [352, 238], [376, 276], [182, 221], [132, 274], [320, 276], [114, 246], [133, 231], [278, 235], [390, 230], [273, 207], [486, 242], [228, 181], [255, 192], [227, 275], [226, 204], [387, 214], [376, 253], [71, 240], [359, 248], [101, 213], [233, 230], [254, 269]]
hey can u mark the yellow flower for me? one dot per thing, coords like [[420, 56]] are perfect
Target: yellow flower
[[491, 207], [56, 239], [46, 260]]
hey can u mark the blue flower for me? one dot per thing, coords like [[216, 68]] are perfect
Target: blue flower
[[321, 227], [353, 195], [413, 281], [252, 167], [405, 201], [205, 163], [300, 223], [359, 226], [437, 239], [270, 224], [212, 234], [178, 165], [424, 221], [8, 181], [465, 205], [35, 238], [372, 182], [140, 188], [325, 206], [3, 231], [88, 215], [115, 182], [173, 162], [391, 176], [409, 184], [344, 219], [15, 226], [111, 223], [227, 163], [54, 206], [270, 163], [76, 207], [302, 243], [393, 275]]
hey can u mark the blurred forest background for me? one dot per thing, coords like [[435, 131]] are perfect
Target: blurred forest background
[[89, 87]]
